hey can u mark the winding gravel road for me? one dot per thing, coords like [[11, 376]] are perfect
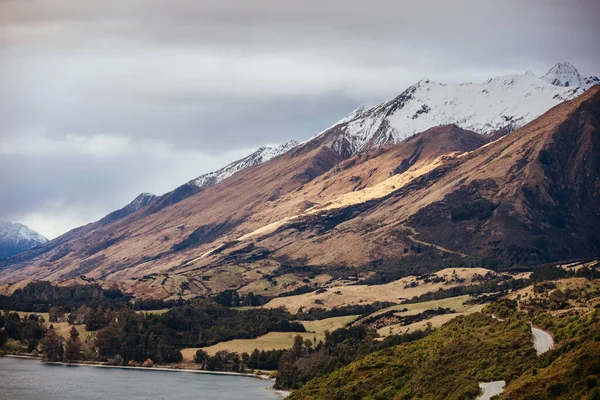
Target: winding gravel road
[[491, 389], [542, 341]]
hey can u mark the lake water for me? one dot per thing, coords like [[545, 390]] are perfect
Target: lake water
[[22, 379]]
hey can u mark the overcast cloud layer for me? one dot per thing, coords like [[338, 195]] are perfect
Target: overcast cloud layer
[[102, 100]]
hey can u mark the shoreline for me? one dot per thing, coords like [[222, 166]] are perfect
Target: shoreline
[[281, 393]]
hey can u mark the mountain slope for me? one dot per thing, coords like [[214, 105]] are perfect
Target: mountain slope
[[152, 203], [534, 194], [531, 196], [16, 238], [164, 242]]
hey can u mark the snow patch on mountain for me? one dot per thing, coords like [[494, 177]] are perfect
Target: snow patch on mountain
[[141, 201], [260, 156], [590, 81], [16, 237]]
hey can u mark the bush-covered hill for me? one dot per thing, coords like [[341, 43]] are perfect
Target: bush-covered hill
[[447, 364], [450, 362]]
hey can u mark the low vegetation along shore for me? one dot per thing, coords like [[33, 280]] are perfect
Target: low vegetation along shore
[[473, 328]]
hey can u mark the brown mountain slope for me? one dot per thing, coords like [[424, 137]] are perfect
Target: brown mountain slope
[[164, 241], [531, 196], [540, 187]]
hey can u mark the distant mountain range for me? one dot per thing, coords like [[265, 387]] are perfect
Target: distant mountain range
[[16, 238], [430, 170]]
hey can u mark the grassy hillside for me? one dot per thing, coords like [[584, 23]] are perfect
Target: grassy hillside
[[450, 362], [447, 364]]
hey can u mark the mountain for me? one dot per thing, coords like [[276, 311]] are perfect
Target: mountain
[[565, 74], [260, 156], [151, 203], [440, 195], [500, 104], [140, 249], [529, 197], [16, 238]]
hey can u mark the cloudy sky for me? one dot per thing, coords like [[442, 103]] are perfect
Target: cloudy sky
[[103, 99]]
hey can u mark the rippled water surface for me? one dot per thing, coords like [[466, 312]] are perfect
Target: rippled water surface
[[30, 379]]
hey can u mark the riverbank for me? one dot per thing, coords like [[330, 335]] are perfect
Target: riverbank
[[161, 368]]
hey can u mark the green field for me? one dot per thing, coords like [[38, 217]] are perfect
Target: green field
[[455, 303], [275, 340], [24, 314], [160, 311]]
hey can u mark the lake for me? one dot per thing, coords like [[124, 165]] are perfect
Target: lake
[[22, 379]]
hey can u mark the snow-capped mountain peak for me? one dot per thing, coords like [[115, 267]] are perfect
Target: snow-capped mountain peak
[[16, 237], [564, 74], [499, 104], [263, 154]]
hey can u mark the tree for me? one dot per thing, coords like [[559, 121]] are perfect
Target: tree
[[32, 331], [3, 337], [12, 326], [108, 341], [250, 300], [94, 319], [56, 314], [52, 346], [201, 357], [288, 373], [72, 347], [298, 343]]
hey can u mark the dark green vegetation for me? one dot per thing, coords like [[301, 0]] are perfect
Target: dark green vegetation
[[30, 329], [307, 360], [572, 370], [123, 335], [233, 362], [354, 309], [231, 298], [497, 285], [451, 361], [447, 364], [394, 317], [550, 272], [41, 296]]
